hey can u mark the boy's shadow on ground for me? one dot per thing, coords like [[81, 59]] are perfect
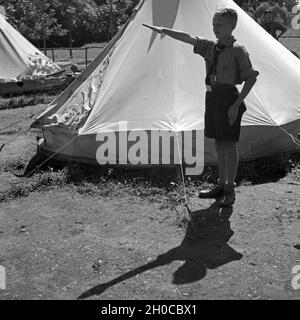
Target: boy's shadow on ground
[[203, 247]]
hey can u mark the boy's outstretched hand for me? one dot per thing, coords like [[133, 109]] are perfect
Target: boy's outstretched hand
[[154, 28]]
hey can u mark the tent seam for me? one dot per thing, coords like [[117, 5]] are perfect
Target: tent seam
[[262, 106]]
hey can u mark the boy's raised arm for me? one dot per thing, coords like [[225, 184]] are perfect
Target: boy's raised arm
[[178, 35]]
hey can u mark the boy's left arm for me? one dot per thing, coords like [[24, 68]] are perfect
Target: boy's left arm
[[234, 109], [247, 74]]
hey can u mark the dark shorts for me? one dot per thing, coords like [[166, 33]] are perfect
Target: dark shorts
[[217, 104]]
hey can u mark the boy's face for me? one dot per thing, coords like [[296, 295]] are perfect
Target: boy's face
[[222, 27]]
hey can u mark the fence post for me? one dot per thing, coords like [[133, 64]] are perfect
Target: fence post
[[86, 57], [2, 278], [53, 58]]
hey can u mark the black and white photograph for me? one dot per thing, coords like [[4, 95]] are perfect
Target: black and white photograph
[[149, 154]]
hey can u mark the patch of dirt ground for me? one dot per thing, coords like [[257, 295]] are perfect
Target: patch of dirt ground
[[59, 244]]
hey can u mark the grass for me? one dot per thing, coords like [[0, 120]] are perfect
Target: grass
[[156, 184], [27, 100]]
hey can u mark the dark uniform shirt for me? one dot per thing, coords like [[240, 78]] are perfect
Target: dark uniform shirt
[[233, 66]]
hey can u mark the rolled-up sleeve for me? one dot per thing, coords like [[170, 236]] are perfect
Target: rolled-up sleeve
[[202, 45], [246, 70]]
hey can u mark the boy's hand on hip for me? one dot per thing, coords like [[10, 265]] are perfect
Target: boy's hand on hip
[[232, 113], [154, 28]]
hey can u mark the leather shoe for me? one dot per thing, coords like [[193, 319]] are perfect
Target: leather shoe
[[213, 193], [228, 197]]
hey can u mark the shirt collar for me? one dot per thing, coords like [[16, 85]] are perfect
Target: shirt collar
[[228, 43]]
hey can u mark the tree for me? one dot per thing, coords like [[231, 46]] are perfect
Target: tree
[[112, 14], [35, 19], [15, 10], [42, 21], [75, 14]]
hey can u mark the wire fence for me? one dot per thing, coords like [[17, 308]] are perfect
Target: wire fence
[[68, 56], [290, 37]]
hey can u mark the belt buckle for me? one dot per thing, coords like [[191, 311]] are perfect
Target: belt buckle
[[208, 88]]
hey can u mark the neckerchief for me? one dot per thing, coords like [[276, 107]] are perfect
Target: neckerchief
[[218, 48]]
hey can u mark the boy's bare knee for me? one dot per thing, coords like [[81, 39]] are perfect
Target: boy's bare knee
[[227, 145], [223, 143], [220, 146], [231, 144]]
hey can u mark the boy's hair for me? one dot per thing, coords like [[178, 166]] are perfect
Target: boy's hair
[[229, 14]]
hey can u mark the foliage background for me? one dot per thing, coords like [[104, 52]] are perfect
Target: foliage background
[[57, 23]]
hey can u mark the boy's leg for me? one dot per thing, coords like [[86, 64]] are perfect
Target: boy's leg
[[221, 154], [219, 189], [231, 166], [232, 161]]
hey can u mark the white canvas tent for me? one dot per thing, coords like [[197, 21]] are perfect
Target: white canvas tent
[[152, 82], [19, 58]]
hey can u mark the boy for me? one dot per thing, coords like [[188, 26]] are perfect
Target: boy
[[227, 64]]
